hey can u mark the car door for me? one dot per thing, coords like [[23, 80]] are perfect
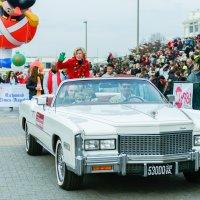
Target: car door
[[33, 127], [40, 116], [49, 126], [47, 122]]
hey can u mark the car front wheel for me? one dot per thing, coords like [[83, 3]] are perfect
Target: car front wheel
[[32, 147], [65, 178], [192, 177]]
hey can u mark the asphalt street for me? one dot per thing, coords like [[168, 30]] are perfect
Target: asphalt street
[[25, 177]]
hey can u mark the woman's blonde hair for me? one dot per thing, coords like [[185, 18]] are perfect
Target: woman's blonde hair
[[80, 49]]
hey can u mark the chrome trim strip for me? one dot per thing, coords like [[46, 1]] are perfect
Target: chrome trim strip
[[39, 128], [123, 164], [145, 169], [108, 159], [159, 159], [159, 133], [79, 165], [79, 162], [197, 161], [119, 162], [176, 167], [78, 145]]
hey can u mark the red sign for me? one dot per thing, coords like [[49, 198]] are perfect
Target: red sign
[[39, 120]]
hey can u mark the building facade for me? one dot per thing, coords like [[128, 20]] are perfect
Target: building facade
[[46, 61], [192, 24]]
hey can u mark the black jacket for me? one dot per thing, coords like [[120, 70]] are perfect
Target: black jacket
[[1, 80], [8, 80], [31, 85]]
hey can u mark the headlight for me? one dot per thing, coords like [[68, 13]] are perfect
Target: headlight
[[197, 140], [92, 145], [107, 144]]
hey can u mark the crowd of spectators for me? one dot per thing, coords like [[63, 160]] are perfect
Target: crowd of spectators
[[13, 77], [163, 64]]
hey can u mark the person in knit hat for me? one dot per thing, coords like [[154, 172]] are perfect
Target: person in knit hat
[[38, 64]]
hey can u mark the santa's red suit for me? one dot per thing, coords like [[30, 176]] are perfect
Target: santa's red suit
[[14, 32], [75, 68]]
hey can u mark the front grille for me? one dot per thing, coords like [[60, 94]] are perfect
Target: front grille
[[160, 144]]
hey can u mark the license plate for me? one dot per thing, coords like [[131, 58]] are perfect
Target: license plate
[[160, 169]]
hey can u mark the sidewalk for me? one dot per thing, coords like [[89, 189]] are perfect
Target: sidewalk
[[6, 112]]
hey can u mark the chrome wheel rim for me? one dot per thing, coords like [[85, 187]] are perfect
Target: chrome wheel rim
[[27, 137], [60, 163]]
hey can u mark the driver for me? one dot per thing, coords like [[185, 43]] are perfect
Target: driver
[[125, 94]]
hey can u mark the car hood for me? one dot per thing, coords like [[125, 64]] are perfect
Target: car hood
[[116, 117]]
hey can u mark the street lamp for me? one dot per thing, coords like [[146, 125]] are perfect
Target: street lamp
[[86, 39], [138, 25]]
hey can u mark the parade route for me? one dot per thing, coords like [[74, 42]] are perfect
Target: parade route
[[26, 178], [99, 103]]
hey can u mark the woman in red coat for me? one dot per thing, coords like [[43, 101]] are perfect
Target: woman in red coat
[[77, 66]]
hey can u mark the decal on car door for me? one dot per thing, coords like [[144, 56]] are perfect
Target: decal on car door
[[39, 120]]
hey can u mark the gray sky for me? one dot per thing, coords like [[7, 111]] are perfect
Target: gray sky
[[111, 24]]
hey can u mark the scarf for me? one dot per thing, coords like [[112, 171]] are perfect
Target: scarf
[[50, 84]]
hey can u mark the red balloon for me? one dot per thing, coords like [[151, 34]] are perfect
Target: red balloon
[[15, 33]]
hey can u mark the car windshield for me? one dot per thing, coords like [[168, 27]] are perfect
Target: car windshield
[[107, 91]]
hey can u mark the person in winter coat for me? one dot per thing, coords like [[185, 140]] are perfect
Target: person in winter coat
[[12, 79], [194, 77], [21, 78], [35, 83], [109, 71], [162, 84], [77, 66]]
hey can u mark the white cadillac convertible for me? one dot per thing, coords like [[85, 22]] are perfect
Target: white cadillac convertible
[[115, 125]]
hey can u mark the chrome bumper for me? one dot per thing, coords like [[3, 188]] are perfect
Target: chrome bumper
[[119, 162]]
